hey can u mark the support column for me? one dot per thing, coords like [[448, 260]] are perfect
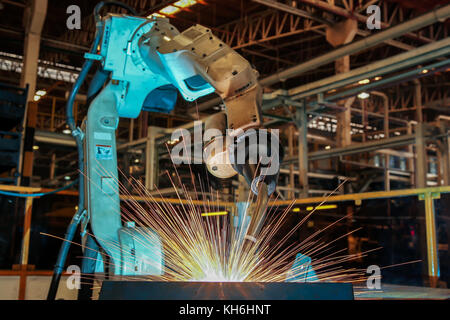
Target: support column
[[421, 152], [387, 181], [34, 18], [291, 194], [27, 156], [302, 125], [421, 157], [418, 100], [339, 34], [131, 130], [52, 167], [25, 248], [387, 178], [444, 152], [151, 156], [446, 162], [411, 167], [431, 234]]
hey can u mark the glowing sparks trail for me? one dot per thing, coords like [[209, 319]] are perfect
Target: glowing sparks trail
[[201, 246], [200, 242]]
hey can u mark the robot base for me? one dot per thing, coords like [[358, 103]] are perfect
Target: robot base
[[148, 290]]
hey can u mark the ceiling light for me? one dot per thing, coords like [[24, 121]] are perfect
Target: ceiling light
[[327, 147], [67, 178], [365, 81], [169, 10], [425, 71], [363, 95], [377, 78], [41, 93], [36, 98], [66, 131], [185, 3], [173, 141], [35, 147]]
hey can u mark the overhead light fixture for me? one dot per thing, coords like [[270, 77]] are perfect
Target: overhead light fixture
[[327, 147], [365, 81], [35, 147], [296, 210], [377, 78], [67, 178], [363, 95], [136, 160], [169, 10], [425, 71], [66, 131], [185, 3], [39, 94], [173, 141]]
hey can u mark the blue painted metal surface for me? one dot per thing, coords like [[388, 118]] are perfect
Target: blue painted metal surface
[[301, 270]]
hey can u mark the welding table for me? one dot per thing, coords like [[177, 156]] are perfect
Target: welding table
[[152, 290]]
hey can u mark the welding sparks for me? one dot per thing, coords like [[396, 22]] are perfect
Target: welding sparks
[[201, 241]]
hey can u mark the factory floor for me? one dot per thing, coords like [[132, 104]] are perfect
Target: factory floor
[[37, 289], [394, 292]]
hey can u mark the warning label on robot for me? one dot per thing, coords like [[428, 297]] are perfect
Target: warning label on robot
[[103, 152]]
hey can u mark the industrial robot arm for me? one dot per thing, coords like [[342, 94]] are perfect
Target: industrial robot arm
[[196, 60], [148, 61]]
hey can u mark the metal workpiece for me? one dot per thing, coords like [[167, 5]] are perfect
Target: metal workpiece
[[147, 290]]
